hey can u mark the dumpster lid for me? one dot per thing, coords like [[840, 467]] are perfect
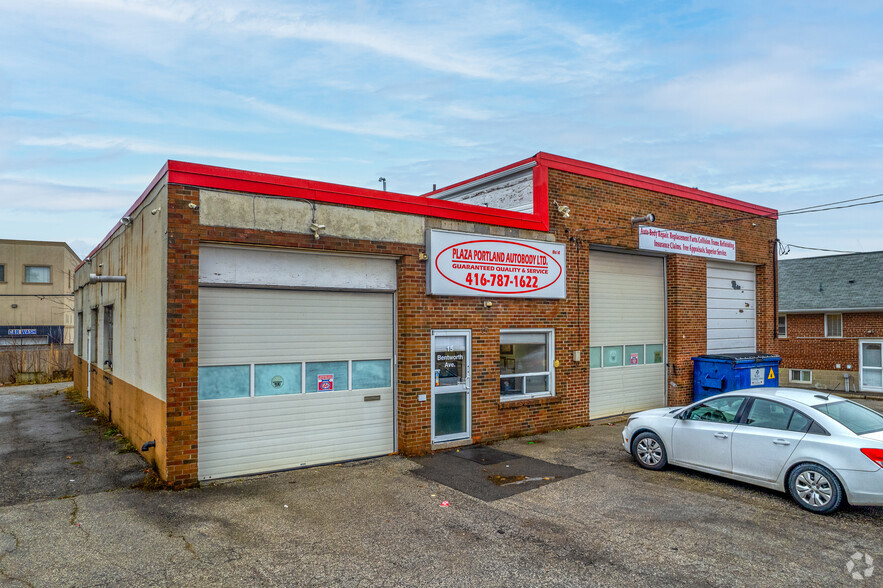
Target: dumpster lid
[[741, 357]]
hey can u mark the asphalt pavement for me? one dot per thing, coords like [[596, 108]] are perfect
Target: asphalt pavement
[[378, 523]]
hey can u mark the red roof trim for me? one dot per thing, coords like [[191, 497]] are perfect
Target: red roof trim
[[220, 178], [620, 177]]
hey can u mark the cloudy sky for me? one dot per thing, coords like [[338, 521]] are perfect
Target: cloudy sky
[[776, 103]]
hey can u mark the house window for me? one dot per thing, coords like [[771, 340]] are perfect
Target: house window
[[833, 325], [108, 336], [802, 376], [526, 364], [37, 274], [783, 326], [2, 273]]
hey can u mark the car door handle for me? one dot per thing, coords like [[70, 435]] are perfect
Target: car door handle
[[721, 435], [781, 442]]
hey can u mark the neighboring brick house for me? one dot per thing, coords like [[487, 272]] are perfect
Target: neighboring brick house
[[246, 322], [830, 326]]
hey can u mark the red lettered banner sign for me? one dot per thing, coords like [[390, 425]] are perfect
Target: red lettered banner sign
[[656, 239], [466, 264]]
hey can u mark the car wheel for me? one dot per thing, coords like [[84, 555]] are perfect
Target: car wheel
[[815, 488], [649, 452]]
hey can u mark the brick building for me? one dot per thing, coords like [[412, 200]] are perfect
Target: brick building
[[830, 325], [247, 322]]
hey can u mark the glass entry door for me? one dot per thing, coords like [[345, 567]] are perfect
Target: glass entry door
[[451, 382], [872, 366]]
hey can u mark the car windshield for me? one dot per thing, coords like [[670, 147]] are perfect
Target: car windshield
[[855, 417]]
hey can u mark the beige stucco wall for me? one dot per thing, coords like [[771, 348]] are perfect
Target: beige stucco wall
[[139, 252], [30, 309], [248, 211]]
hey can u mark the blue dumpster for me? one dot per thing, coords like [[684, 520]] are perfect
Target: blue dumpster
[[716, 374]]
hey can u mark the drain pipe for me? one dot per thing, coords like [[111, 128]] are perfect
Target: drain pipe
[[89, 363], [95, 278], [148, 445]]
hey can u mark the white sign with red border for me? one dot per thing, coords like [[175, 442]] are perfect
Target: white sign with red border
[[668, 241], [325, 383], [466, 264]]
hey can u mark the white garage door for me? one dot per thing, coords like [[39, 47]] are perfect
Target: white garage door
[[290, 378], [732, 313], [627, 333]]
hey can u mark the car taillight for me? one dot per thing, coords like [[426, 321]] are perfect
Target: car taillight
[[875, 455]]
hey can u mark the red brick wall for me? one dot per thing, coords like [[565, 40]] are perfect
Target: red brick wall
[[806, 346], [182, 325], [600, 215]]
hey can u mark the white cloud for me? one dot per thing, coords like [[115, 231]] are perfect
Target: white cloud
[[18, 194], [106, 143]]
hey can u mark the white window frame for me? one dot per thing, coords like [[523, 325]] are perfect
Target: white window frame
[[861, 366], [800, 372], [550, 361], [779, 332], [840, 336]]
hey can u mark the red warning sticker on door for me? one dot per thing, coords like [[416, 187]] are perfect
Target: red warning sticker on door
[[326, 382]]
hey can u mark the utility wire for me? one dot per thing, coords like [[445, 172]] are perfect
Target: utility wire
[[796, 211], [839, 202], [790, 245]]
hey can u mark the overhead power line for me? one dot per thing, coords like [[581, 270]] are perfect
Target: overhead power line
[[790, 245], [836, 205]]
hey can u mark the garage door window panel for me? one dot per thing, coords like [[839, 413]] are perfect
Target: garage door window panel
[[228, 381], [277, 378], [655, 354], [613, 356], [338, 370], [634, 354], [374, 373], [525, 364]]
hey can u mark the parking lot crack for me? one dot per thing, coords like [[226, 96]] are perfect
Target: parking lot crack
[[73, 519], [9, 543]]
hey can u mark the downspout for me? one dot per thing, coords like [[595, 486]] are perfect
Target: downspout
[[776, 289], [89, 363]]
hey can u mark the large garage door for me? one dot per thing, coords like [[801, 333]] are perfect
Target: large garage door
[[627, 333], [290, 378], [732, 314]]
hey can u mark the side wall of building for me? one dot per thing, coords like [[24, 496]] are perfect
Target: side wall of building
[[805, 347], [600, 216], [38, 304], [124, 327]]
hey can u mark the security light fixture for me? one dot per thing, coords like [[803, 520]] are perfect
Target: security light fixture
[[563, 209], [647, 218]]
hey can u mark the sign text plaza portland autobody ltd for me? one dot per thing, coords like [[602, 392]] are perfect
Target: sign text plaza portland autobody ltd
[[465, 264]]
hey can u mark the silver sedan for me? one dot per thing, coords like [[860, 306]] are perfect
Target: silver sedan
[[820, 448]]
